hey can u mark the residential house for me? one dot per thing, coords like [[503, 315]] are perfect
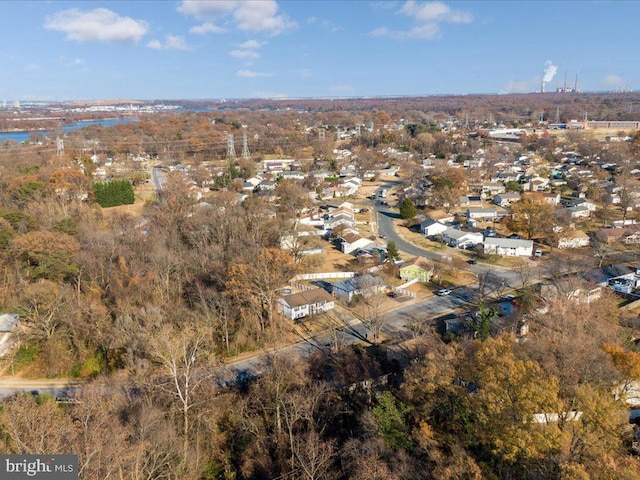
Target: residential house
[[303, 304], [359, 285], [431, 227], [613, 235], [331, 220], [277, 165], [579, 212], [509, 247], [506, 199], [493, 188], [551, 198], [461, 239], [470, 201], [583, 203], [267, 185], [536, 184], [291, 175], [618, 277], [573, 239], [418, 267], [506, 177], [477, 213], [351, 242]]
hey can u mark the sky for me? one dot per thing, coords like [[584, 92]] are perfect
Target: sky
[[146, 50]]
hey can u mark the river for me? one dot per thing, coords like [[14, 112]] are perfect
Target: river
[[23, 135]]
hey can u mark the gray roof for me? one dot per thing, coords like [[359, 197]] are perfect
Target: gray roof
[[356, 283], [458, 234], [508, 242]]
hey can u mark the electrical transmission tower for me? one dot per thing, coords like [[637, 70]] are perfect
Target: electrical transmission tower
[[245, 144], [59, 146], [231, 149]]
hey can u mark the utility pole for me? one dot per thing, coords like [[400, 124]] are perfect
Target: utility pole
[[245, 144], [59, 146], [231, 150]]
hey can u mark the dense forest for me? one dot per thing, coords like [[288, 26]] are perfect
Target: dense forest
[[147, 310]]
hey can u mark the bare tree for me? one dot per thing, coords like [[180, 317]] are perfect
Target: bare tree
[[181, 355]]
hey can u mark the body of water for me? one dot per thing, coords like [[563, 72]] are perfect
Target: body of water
[[23, 136]]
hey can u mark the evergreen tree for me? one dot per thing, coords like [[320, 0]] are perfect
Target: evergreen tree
[[113, 193], [392, 252], [408, 210]]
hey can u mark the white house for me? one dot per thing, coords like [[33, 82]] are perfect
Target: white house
[[505, 199], [359, 285], [431, 227], [306, 303], [351, 242], [482, 213], [573, 239], [580, 211], [508, 247], [460, 239], [332, 220]]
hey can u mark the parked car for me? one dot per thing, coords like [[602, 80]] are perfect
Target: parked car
[[472, 261], [393, 294], [443, 292]]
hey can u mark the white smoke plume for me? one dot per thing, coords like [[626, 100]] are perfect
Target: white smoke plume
[[549, 71]]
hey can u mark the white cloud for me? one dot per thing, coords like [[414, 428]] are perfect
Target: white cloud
[[248, 15], [244, 54], [171, 42], [98, 25], [306, 73], [427, 18], [251, 74], [32, 67], [260, 16], [250, 44], [207, 8], [205, 28], [613, 81], [247, 50]]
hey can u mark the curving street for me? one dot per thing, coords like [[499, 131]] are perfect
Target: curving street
[[385, 217]]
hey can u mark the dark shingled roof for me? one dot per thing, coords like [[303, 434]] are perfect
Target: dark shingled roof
[[311, 297]]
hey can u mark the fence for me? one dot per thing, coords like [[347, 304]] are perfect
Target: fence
[[402, 288], [320, 276]]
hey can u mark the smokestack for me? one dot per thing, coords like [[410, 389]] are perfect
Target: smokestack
[[542, 87], [565, 81], [576, 86]]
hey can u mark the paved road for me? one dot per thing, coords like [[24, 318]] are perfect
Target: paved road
[[347, 330], [158, 178], [59, 389], [385, 217]]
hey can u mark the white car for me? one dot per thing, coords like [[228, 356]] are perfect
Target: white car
[[444, 292]]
